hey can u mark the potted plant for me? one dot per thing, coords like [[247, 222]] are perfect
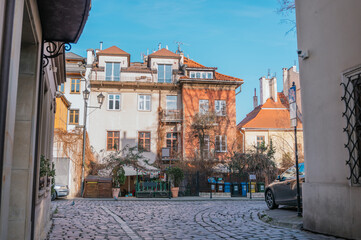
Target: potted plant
[[118, 179], [43, 171], [177, 175]]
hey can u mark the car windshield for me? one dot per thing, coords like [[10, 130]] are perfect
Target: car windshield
[[291, 172]]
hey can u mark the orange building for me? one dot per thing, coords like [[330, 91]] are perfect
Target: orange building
[[205, 91], [61, 114]]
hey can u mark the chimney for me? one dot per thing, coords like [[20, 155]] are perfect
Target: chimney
[[166, 47], [159, 46], [101, 45], [182, 58], [273, 88], [255, 99], [264, 90], [286, 85], [89, 56]]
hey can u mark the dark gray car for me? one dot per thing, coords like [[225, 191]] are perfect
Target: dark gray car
[[283, 191]]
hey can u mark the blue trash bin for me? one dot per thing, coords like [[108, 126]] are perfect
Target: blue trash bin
[[244, 186], [227, 187]]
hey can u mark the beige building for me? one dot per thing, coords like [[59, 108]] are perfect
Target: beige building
[[329, 46], [32, 38], [270, 121]]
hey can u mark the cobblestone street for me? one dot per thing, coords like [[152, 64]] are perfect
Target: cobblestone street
[[89, 219]]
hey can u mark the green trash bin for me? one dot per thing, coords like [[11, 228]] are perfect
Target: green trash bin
[[260, 186]]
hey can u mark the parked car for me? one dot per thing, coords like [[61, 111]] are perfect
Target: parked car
[[283, 191], [60, 191]]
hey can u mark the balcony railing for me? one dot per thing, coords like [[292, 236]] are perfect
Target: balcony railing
[[172, 115]]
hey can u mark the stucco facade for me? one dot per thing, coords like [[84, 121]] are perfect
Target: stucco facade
[[329, 31]]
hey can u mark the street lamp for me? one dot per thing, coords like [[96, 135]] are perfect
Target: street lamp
[[100, 98]]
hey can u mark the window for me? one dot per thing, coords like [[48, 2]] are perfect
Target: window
[[144, 102], [75, 86], [144, 141], [61, 88], [221, 143], [203, 106], [74, 117], [113, 140], [205, 148], [260, 141], [112, 71], [164, 73], [172, 142], [352, 114], [204, 75], [220, 107], [113, 102], [171, 102]]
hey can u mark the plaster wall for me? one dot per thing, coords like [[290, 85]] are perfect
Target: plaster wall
[[282, 140], [76, 100], [331, 205], [155, 61], [121, 59]]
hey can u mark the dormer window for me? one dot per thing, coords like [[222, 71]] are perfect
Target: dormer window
[[112, 71], [164, 73], [204, 75]]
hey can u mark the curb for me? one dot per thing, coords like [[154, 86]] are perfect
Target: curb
[[165, 199], [267, 219]]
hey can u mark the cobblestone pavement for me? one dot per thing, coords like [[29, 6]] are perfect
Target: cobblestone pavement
[[89, 219]]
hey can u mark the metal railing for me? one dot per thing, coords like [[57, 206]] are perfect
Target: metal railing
[[172, 115], [123, 78]]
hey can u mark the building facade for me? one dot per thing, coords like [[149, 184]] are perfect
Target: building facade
[[270, 121], [33, 37], [151, 104], [329, 42]]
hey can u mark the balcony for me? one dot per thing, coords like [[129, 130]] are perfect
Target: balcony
[[172, 115]]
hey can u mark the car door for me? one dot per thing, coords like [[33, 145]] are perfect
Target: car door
[[283, 189]]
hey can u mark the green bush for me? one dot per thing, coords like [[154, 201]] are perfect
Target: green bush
[[176, 174]]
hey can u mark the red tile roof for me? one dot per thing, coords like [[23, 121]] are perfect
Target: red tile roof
[[272, 115], [164, 53], [192, 64], [114, 50], [220, 76]]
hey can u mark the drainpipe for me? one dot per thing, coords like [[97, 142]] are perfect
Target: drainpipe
[[243, 143], [7, 35]]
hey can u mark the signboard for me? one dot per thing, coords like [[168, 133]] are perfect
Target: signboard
[[165, 152], [252, 177], [293, 105]]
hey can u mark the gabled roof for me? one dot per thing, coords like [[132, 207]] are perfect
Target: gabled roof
[[114, 50], [72, 56], [270, 115], [164, 53]]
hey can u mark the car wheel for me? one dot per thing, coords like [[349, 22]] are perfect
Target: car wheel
[[270, 200], [53, 196]]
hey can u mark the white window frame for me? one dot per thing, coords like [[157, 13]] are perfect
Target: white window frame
[[176, 102], [222, 104], [222, 148], [193, 74], [171, 73], [145, 102], [114, 100], [206, 143], [201, 110], [112, 75]]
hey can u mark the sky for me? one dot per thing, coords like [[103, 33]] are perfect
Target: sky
[[242, 38]]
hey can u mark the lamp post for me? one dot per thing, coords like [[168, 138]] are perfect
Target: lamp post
[[100, 98]]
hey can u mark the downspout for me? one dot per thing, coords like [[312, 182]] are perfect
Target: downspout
[[7, 36], [243, 142]]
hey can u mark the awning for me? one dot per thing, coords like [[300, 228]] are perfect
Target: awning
[[63, 20], [146, 170]]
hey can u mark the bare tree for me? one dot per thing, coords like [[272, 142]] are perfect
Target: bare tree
[[287, 9]]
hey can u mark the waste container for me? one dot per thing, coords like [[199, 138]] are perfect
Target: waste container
[[253, 187], [220, 187], [235, 189], [244, 189], [227, 187], [260, 186]]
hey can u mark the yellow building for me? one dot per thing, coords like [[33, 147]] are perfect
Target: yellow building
[[61, 114]]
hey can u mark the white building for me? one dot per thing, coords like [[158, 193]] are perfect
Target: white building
[[329, 40]]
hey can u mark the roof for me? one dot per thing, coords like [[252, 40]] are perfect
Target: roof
[[164, 53], [217, 76], [114, 50], [270, 115], [71, 55]]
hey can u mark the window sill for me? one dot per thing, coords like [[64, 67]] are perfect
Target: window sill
[[74, 92]]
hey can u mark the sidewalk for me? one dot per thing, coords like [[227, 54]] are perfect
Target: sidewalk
[[284, 217], [167, 199]]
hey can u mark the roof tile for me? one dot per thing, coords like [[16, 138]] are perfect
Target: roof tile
[[114, 50]]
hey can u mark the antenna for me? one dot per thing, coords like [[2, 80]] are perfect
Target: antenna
[[179, 46], [269, 73], [159, 46]]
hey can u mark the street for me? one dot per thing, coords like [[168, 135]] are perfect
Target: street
[[166, 219]]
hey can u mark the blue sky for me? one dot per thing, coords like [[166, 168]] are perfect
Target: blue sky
[[243, 38]]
